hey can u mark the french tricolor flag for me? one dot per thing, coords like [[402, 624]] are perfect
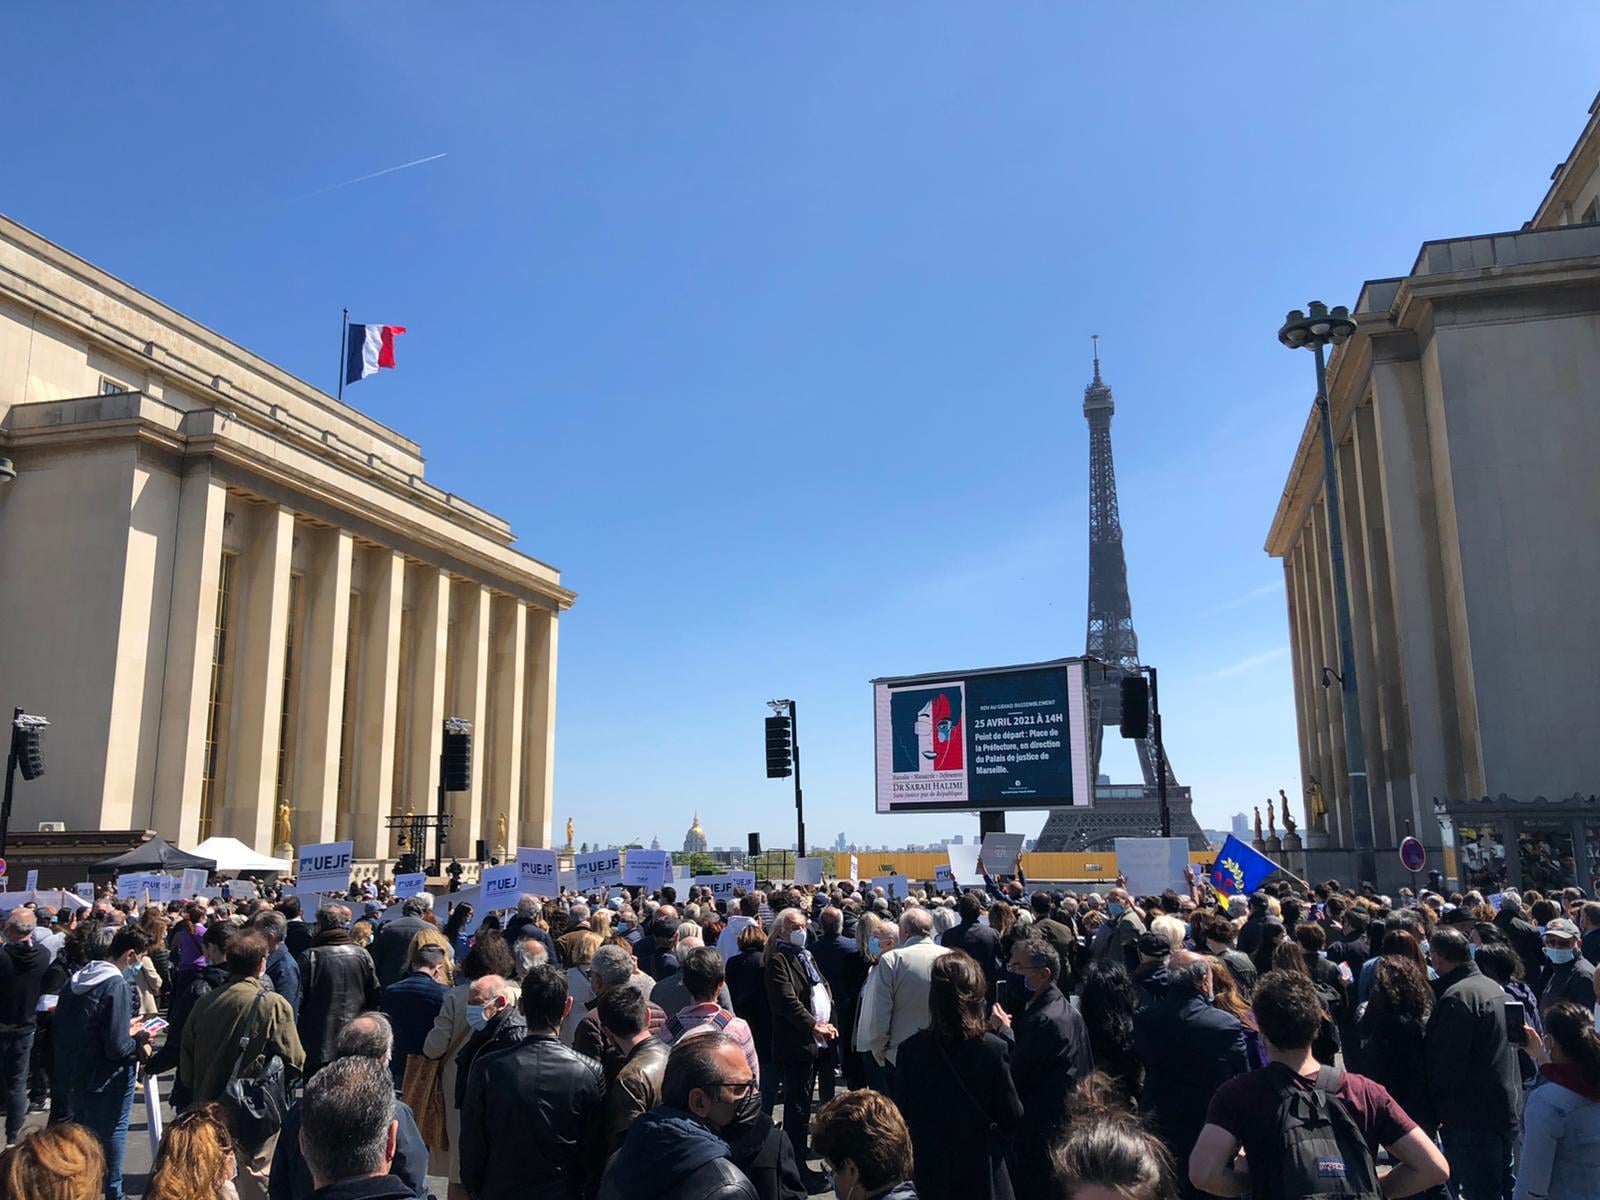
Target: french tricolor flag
[[370, 348]]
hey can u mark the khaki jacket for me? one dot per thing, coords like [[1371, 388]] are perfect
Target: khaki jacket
[[211, 1036]]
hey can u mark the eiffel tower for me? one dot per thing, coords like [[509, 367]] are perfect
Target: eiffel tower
[[1118, 810]]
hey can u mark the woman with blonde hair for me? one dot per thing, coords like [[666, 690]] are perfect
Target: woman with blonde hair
[[600, 923], [431, 937], [361, 935], [195, 1161], [58, 1162], [581, 951]]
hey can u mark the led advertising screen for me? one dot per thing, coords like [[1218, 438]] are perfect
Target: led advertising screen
[[1003, 737]]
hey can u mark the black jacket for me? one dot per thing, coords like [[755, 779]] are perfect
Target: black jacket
[[374, 1187], [1572, 981], [766, 1156], [508, 1029], [390, 945], [1050, 1058], [789, 998], [1189, 1049], [1250, 931], [337, 982], [1526, 940], [297, 938], [96, 1006], [533, 1126], [1240, 967], [1474, 1084], [671, 1155], [833, 954], [981, 943], [22, 968], [747, 986], [1394, 1053], [290, 1178], [951, 1096]]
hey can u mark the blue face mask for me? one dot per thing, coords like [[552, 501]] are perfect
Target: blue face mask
[[1115, 909], [131, 974], [1472, 949], [1432, 974], [1559, 956], [476, 1017], [874, 948]]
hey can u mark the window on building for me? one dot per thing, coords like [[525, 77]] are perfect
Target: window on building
[[288, 717], [1591, 215], [111, 387], [217, 702]]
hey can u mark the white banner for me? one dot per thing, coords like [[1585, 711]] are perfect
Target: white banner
[[413, 884], [85, 891], [943, 880], [33, 880], [722, 885], [897, 886], [1152, 865], [599, 869], [567, 880], [538, 870], [501, 886], [136, 884], [808, 870], [324, 867], [964, 866], [240, 889], [855, 869], [194, 878], [649, 869]]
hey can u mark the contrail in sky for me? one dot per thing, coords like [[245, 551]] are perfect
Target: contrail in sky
[[333, 187]]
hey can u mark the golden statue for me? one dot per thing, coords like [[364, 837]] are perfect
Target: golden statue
[[1316, 805], [1289, 828], [1272, 824], [1258, 822], [500, 834], [284, 834], [569, 833]]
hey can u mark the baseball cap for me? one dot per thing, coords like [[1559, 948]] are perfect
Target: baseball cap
[[1153, 945], [1561, 927]]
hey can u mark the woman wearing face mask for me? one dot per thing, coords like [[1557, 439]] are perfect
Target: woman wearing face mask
[[863, 1139], [489, 956], [802, 1023], [1560, 1154]]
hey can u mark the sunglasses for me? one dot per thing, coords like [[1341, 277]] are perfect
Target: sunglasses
[[740, 1088]]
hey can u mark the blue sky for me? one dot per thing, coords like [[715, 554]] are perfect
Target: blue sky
[[768, 323]]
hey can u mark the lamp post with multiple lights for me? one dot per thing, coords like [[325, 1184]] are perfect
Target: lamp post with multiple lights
[[1315, 330]]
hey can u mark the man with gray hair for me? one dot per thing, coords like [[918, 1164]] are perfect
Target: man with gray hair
[[339, 982], [612, 967], [348, 1131], [281, 967], [390, 947], [369, 1036], [577, 926], [22, 968], [894, 1003]]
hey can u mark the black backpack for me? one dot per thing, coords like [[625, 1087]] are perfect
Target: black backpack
[[1323, 1152]]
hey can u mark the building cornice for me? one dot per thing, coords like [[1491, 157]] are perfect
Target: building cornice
[[1570, 175]]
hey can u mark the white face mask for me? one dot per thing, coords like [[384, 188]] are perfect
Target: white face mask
[[798, 936]]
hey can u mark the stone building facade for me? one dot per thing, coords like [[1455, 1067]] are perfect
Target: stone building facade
[[233, 595], [1465, 422]]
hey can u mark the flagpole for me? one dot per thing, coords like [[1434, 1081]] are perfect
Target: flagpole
[[344, 350]]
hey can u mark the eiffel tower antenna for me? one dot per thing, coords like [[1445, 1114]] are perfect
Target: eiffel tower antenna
[[1095, 338]]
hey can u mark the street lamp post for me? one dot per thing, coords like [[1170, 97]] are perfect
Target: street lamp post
[[1315, 330]]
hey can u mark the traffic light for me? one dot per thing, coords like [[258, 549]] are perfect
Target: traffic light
[[29, 755], [455, 760], [780, 758], [1135, 707]]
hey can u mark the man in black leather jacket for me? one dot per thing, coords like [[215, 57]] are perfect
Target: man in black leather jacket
[[533, 1120], [337, 981], [676, 1151]]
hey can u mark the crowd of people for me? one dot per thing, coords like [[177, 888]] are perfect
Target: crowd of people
[[1005, 1043]]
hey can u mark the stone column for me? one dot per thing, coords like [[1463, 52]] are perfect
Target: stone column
[[1366, 665], [539, 729], [186, 694], [373, 735], [258, 678], [1336, 788], [471, 701], [430, 646], [326, 590], [505, 721]]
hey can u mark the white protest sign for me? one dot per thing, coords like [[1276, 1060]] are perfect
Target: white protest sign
[[943, 880], [413, 884], [1000, 852], [722, 886], [897, 886], [501, 886], [1152, 865], [567, 880], [538, 869], [599, 869], [241, 889], [137, 884], [808, 870], [647, 868], [85, 891], [33, 880], [855, 871], [194, 878], [964, 866], [324, 867]]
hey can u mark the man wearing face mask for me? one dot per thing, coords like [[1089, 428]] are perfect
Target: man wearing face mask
[[1571, 976], [533, 1122], [496, 1023], [1120, 945], [802, 1025], [678, 1151]]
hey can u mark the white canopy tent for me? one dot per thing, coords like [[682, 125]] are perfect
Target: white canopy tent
[[234, 857]]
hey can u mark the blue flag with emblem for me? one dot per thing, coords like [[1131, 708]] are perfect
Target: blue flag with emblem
[[1240, 869]]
